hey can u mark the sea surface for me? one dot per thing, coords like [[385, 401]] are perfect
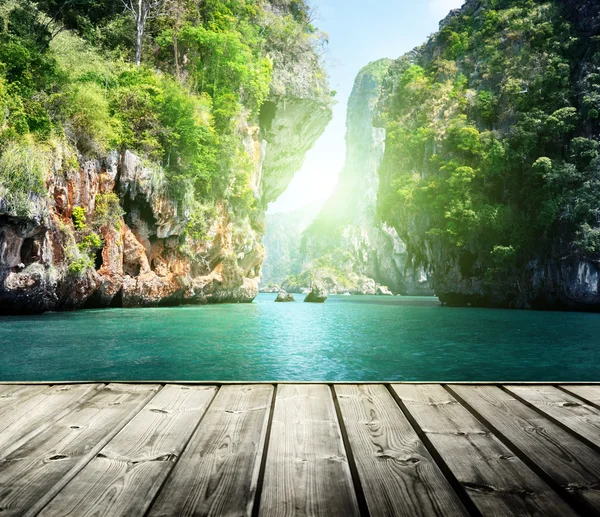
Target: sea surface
[[349, 338]]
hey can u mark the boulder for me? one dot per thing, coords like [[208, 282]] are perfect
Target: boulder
[[317, 295], [284, 297], [382, 290]]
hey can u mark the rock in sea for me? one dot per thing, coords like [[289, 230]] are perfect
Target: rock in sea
[[317, 295], [284, 297], [382, 290]]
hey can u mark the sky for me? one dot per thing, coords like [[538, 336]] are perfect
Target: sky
[[359, 32]]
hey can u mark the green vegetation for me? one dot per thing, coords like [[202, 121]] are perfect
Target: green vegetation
[[68, 74], [492, 131], [84, 242], [23, 168], [107, 211]]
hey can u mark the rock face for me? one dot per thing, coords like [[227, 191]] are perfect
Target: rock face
[[144, 259], [284, 297], [282, 241], [555, 271], [348, 233], [318, 294]]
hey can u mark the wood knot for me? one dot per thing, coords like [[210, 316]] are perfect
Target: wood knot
[[570, 404], [57, 457], [156, 410]]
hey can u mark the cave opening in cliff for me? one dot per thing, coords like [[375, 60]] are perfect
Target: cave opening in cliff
[[98, 260], [117, 301], [28, 251]]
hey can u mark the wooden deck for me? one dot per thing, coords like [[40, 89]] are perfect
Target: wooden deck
[[161, 450]]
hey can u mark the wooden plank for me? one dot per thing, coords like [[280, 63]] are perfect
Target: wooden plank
[[15, 395], [31, 475], [37, 412], [498, 482], [398, 475], [127, 473], [570, 411], [218, 471], [570, 463], [307, 471], [7, 388], [587, 392]]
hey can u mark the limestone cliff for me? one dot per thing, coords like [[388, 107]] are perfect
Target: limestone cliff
[[492, 156], [348, 243], [108, 232]]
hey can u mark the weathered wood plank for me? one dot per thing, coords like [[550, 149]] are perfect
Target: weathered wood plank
[[587, 392], [570, 411], [15, 395], [31, 475], [570, 463], [38, 411], [126, 474], [7, 389], [498, 482], [218, 471], [398, 475], [307, 471]]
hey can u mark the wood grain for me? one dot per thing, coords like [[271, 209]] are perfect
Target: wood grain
[[570, 411], [11, 397], [11, 392], [588, 392], [307, 471], [36, 412], [218, 471], [123, 478], [569, 462], [498, 482], [397, 473], [31, 475]]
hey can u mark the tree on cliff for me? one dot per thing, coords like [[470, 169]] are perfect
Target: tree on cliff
[[142, 11]]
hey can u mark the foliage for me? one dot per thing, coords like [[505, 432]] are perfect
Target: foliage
[[79, 218], [107, 211], [23, 167], [66, 74], [490, 140]]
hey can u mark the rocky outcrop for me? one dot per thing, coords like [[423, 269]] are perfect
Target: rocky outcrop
[[348, 232], [144, 258], [545, 256], [318, 294], [284, 297]]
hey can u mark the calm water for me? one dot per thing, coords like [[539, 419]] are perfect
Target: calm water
[[346, 339]]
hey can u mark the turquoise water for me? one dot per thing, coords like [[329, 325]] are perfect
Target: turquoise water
[[346, 339]]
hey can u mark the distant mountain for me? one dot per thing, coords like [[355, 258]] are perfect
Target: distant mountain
[[282, 242], [347, 247]]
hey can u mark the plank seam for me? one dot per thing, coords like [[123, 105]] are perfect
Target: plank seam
[[263, 459], [10, 448], [581, 507], [589, 402], [558, 423], [77, 468], [363, 507], [181, 453], [437, 457]]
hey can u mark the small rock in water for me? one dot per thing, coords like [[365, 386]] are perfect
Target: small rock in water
[[382, 290], [284, 297], [317, 295]]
